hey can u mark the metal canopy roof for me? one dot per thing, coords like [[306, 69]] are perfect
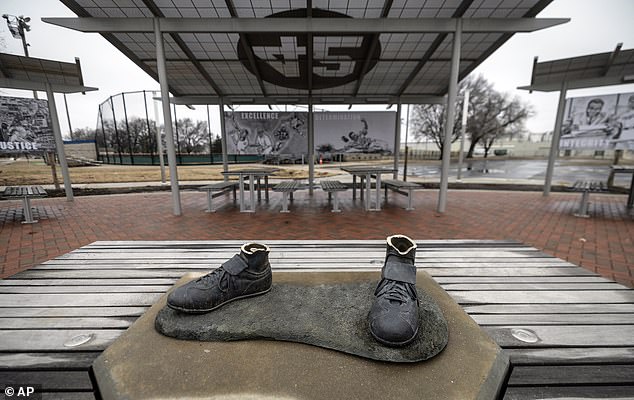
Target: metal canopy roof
[[28, 73], [594, 70], [358, 50]]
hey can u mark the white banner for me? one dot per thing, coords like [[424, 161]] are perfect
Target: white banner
[[266, 133], [24, 126], [355, 132], [599, 122]]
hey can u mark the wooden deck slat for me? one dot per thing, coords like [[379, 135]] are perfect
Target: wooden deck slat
[[568, 356], [68, 396], [567, 335], [84, 289], [570, 392], [543, 297], [65, 323], [376, 263], [49, 380], [549, 308], [545, 281], [46, 340], [572, 375], [86, 282], [554, 319], [78, 300], [55, 312], [177, 272], [39, 361]]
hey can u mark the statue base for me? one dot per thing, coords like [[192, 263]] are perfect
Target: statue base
[[144, 364]]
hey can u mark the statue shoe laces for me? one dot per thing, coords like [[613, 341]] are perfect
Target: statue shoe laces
[[393, 317], [244, 275]]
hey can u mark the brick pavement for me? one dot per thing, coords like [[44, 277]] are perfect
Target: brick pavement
[[602, 243]]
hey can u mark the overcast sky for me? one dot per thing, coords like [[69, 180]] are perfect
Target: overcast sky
[[596, 26]]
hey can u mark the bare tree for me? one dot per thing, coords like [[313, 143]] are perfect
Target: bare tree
[[496, 117], [428, 121], [193, 137], [83, 134], [491, 115]]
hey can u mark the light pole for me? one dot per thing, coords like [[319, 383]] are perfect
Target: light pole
[[18, 26]]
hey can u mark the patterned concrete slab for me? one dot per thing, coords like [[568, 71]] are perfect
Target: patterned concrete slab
[[143, 364]]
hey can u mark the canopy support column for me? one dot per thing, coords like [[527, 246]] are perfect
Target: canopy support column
[[59, 142], [311, 147], [397, 139], [167, 117], [554, 145], [463, 132], [450, 113], [223, 137]]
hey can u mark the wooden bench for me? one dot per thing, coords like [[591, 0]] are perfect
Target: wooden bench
[[221, 188], [333, 187], [26, 193], [401, 187], [585, 187], [286, 187]]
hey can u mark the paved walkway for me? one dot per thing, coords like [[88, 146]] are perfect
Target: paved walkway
[[602, 243]]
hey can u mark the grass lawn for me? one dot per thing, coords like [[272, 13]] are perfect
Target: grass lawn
[[35, 172]]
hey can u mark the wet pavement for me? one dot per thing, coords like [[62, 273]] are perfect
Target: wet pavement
[[566, 172]]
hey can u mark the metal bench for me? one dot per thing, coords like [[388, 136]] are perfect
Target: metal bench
[[221, 188], [286, 187], [333, 187], [585, 187], [401, 187], [25, 193]]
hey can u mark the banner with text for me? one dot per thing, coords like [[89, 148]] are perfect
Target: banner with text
[[266, 133], [24, 126], [599, 122], [355, 132]]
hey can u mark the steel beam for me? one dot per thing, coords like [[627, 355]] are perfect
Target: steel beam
[[41, 86], [306, 25], [255, 99]]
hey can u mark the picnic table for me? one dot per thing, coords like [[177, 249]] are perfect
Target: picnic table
[[26, 193], [568, 332], [252, 174], [366, 172]]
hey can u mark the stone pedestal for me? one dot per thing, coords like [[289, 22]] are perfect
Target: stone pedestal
[[143, 364]]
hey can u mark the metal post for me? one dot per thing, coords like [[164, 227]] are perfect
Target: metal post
[[127, 128], [178, 141], [223, 139], [59, 143], [116, 131], [159, 140], [463, 132], [149, 132], [397, 142], [554, 145], [70, 128], [103, 131], [211, 149], [449, 123], [25, 45], [406, 146], [311, 147], [167, 117]]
